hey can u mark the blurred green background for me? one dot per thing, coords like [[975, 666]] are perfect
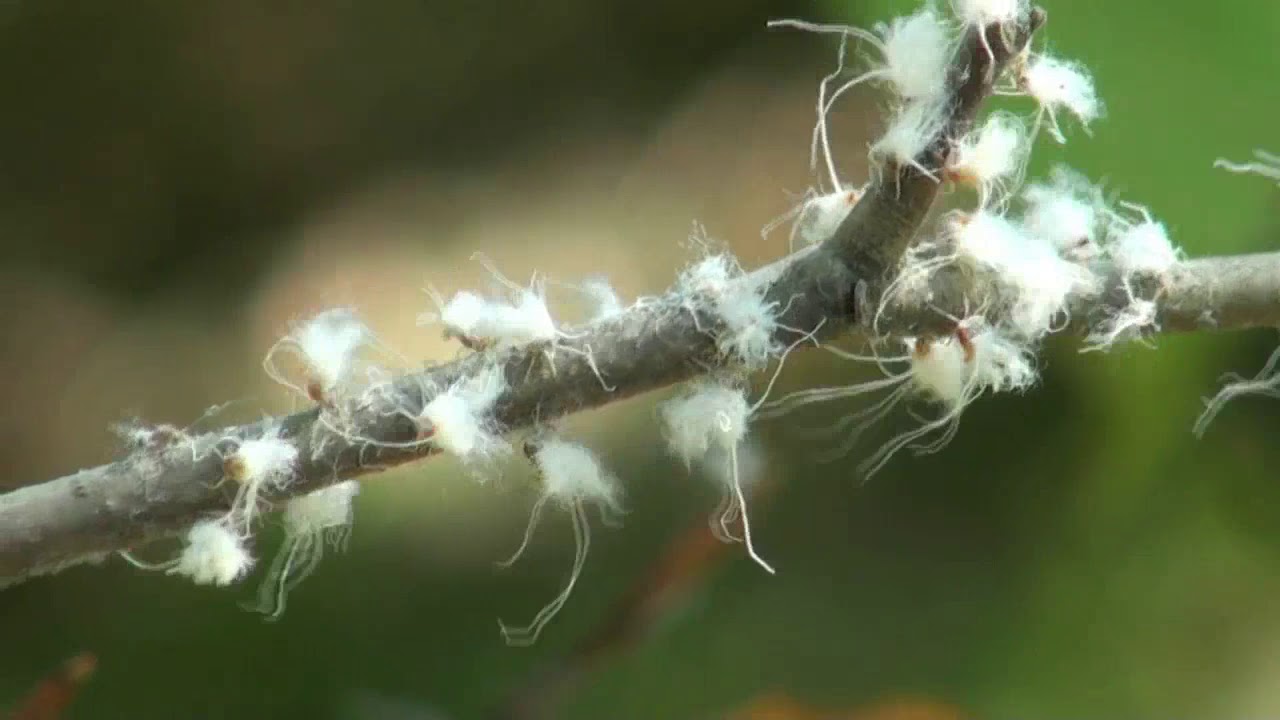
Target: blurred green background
[[179, 180]]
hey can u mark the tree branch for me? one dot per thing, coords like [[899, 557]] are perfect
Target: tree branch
[[1201, 294], [159, 492]]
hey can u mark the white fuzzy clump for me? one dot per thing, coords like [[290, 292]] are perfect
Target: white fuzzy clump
[[909, 134], [940, 370], [985, 239], [459, 420], [1066, 213], [710, 414], [463, 315], [916, 51], [1060, 85], [322, 510], [1141, 247], [266, 462], [818, 216], [709, 277], [572, 473], [980, 13], [955, 371], [1001, 363], [266, 459], [1040, 280], [1043, 284], [480, 322], [310, 522], [532, 321], [1127, 323], [1023, 272], [1266, 165], [713, 416], [984, 243], [522, 318], [328, 343], [212, 555], [750, 322], [952, 371], [991, 157], [605, 303], [571, 477], [716, 284], [138, 436], [1138, 248]]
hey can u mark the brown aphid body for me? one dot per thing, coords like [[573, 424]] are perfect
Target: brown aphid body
[[318, 395], [966, 343], [474, 344], [235, 469]]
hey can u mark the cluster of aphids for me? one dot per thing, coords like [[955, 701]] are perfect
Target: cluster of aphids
[[1029, 249]]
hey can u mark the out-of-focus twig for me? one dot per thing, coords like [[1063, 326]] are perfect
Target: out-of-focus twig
[[51, 698]]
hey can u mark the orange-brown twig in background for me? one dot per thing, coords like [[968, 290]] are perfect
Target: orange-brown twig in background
[[49, 700]]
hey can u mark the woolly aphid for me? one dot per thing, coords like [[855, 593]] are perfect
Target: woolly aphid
[[979, 14], [991, 158], [522, 318], [480, 323], [328, 345], [1059, 85], [950, 372], [821, 216], [816, 217], [1266, 383], [1037, 281], [257, 464], [1267, 165], [460, 420], [1024, 272], [605, 303], [1043, 284], [1141, 246], [717, 286], [212, 554], [953, 372], [154, 442], [914, 54], [709, 278], [916, 50], [750, 323], [1067, 213], [312, 521], [908, 136], [572, 477], [465, 317], [138, 436], [1127, 323], [713, 415]]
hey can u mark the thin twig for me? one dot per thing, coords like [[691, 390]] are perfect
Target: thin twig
[[155, 493]]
